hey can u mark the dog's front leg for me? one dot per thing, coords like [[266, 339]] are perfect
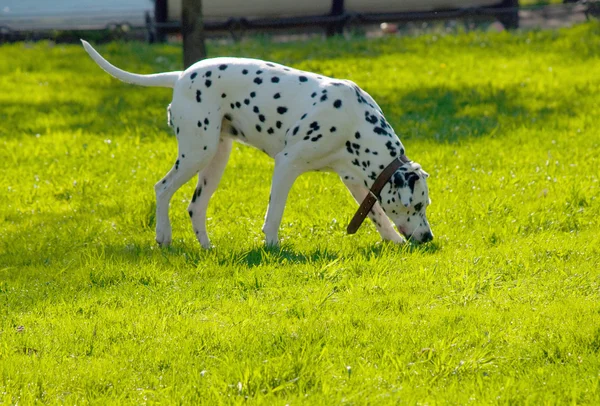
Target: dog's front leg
[[376, 214], [285, 173]]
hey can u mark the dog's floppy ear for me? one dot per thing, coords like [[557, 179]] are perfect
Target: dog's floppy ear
[[406, 185], [400, 183]]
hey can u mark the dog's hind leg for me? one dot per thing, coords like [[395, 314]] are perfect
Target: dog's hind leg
[[208, 180], [196, 150], [376, 214]]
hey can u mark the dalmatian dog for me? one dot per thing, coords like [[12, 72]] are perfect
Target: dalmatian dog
[[305, 121]]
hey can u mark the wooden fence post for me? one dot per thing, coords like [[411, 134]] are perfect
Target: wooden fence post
[[192, 28]]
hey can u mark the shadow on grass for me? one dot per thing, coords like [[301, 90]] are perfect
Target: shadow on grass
[[382, 248], [452, 114], [266, 255], [193, 255], [261, 255], [107, 110]]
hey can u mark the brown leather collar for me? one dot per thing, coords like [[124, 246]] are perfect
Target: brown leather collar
[[373, 194]]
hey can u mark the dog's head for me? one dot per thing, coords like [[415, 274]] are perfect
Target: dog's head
[[405, 200]]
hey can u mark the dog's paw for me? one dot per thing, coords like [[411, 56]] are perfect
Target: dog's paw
[[205, 243], [203, 239], [271, 243], [396, 239], [163, 237]]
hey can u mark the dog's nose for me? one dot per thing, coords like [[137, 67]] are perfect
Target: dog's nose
[[427, 237]]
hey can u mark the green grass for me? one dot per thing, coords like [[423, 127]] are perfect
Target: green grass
[[503, 307]]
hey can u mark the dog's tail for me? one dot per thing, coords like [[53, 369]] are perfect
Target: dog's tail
[[166, 79]]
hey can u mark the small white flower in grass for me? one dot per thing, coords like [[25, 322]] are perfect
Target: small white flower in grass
[[349, 370], [203, 372], [239, 386]]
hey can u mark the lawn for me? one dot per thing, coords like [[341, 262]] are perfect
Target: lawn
[[502, 308]]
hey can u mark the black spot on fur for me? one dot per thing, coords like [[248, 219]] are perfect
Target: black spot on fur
[[337, 104], [315, 139], [255, 109], [324, 97], [313, 95], [258, 81], [371, 118], [245, 72], [303, 78], [332, 129], [275, 79], [391, 148], [238, 104], [261, 118], [196, 194], [227, 117], [258, 72], [278, 124], [281, 110], [418, 206], [380, 131], [357, 135], [411, 178], [253, 94], [193, 76], [223, 95], [276, 96], [208, 74], [398, 180], [206, 121], [270, 130], [207, 83], [222, 67], [258, 128], [295, 130], [349, 147], [246, 102], [198, 96], [270, 64]]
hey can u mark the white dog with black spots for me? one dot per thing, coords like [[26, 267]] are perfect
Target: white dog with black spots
[[305, 121]]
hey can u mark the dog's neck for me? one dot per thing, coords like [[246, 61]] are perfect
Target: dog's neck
[[363, 168]]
